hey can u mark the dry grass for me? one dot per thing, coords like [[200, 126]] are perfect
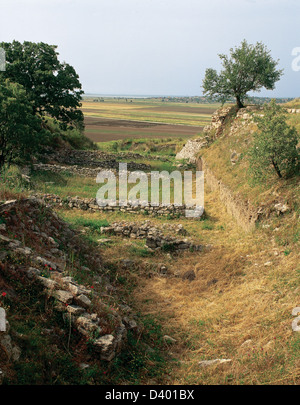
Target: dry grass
[[235, 298], [293, 104]]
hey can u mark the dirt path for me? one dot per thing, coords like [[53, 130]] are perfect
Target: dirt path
[[230, 302]]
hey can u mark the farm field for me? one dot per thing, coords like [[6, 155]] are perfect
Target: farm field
[[144, 118]]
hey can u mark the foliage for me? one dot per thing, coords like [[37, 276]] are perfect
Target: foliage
[[69, 136], [21, 131], [52, 87], [275, 145], [249, 67]]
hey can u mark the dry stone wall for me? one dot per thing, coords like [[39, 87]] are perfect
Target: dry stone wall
[[245, 214], [90, 204], [156, 238], [191, 149]]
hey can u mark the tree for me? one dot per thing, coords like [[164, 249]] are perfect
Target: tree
[[52, 87], [248, 68], [275, 144], [21, 132]]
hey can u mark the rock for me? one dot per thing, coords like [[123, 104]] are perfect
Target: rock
[[86, 326], [2, 320], [163, 269], [83, 301], [130, 323], [207, 363], [75, 289], [191, 149], [12, 351], [281, 208], [75, 309], [16, 353], [104, 241], [4, 239], [296, 311], [33, 272], [295, 323], [47, 282], [106, 346], [63, 296], [247, 343], [46, 263]]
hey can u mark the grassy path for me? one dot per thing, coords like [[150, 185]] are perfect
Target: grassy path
[[238, 307]]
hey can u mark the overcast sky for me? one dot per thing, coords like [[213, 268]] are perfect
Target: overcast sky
[[155, 47]]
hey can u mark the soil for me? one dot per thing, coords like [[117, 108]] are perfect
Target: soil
[[104, 130]]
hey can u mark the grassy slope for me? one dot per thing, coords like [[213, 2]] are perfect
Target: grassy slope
[[293, 104], [237, 177]]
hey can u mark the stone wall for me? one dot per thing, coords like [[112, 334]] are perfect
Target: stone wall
[[243, 211], [214, 129], [90, 171], [191, 149], [90, 204], [156, 237]]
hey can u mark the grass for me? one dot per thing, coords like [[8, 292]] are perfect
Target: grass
[[64, 184], [232, 300], [293, 104], [167, 147]]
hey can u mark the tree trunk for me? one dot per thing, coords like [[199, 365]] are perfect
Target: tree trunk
[[239, 102], [276, 169]]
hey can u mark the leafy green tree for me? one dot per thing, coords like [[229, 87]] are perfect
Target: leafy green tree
[[275, 144], [21, 132], [52, 87], [248, 68]]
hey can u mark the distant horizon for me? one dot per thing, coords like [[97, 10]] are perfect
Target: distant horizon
[[167, 95]]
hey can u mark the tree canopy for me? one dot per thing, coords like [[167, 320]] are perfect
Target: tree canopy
[[248, 68], [52, 87]]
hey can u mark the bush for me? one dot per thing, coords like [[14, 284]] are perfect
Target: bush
[[275, 145]]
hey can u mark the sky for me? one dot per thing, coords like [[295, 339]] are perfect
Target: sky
[[156, 47]]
